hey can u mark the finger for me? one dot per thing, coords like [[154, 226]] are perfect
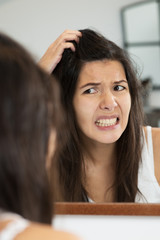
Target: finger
[[67, 35], [65, 45], [70, 36], [76, 32]]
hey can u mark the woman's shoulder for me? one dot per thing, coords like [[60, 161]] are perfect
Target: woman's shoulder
[[155, 133], [156, 143], [42, 231], [156, 151]]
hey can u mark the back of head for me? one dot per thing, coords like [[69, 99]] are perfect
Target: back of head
[[26, 119]]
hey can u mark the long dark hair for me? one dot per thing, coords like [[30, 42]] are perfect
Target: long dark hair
[[93, 46], [28, 111]]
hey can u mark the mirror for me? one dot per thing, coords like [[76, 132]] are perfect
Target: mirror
[[141, 37], [35, 27]]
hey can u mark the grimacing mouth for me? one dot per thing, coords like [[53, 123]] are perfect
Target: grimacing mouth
[[105, 122]]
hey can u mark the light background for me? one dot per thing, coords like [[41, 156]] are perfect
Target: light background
[[37, 23]]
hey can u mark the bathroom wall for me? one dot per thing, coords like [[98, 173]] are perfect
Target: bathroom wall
[[36, 24]]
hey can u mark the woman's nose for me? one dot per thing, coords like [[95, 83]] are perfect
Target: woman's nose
[[108, 102]]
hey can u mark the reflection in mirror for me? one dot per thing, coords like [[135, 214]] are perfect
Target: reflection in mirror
[[104, 159]]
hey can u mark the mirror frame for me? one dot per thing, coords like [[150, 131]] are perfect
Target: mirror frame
[[123, 209]]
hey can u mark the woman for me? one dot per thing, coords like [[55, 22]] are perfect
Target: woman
[[30, 116], [108, 156]]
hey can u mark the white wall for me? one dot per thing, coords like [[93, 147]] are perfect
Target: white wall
[[36, 23]]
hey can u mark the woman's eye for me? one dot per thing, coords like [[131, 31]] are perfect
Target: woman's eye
[[90, 91], [119, 88]]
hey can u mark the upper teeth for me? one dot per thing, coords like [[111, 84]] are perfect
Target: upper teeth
[[106, 122]]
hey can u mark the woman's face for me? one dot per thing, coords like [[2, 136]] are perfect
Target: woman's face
[[102, 101]]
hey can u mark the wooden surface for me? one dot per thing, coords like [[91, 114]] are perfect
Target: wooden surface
[[126, 209]]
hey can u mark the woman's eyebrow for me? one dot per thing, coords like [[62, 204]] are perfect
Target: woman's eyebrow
[[90, 84], [121, 81]]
